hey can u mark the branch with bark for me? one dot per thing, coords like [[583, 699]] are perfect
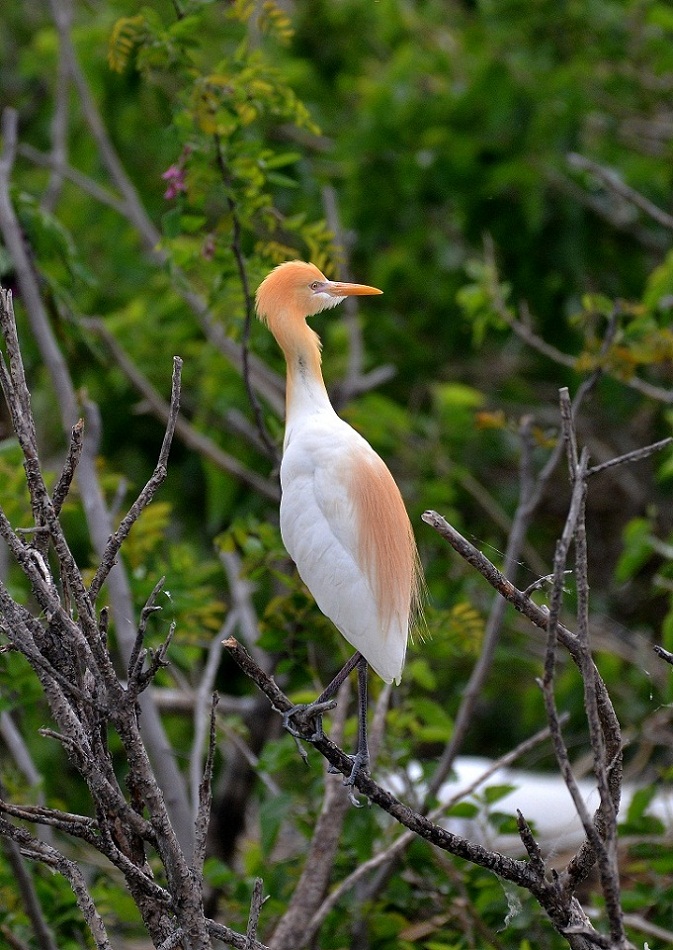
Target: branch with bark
[[556, 891], [64, 639]]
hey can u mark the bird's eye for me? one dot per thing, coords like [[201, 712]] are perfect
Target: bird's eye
[[315, 285]]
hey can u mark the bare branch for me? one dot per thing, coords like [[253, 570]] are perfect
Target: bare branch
[[137, 657], [606, 746], [62, 487], [205, 797], [147, 494], [613, 181], [238, 941], [511, 870], [39, 851], [393, 851], [664, 654], [531, 845], [255, 910], [199, 718], [97, 515], [636, 456], [530, 492]]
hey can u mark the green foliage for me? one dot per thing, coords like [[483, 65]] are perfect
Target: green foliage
[[445, 129]]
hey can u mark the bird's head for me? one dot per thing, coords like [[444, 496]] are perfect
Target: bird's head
[[297, 288]]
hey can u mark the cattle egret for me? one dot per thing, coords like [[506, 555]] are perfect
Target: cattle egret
[[342, 518]]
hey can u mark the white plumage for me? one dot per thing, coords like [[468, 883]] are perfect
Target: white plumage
[[319, 526]]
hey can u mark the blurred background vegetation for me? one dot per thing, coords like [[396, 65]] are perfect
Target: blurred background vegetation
[[488, 165]]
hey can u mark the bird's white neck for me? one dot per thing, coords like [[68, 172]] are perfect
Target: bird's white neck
[[305, 393]]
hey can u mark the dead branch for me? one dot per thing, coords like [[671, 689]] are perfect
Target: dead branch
[[512, 870], [613, 182], [205, 798], [37, 850], [563, 910], [96, 512], [384, 858], [29, 895], [604, 731], [69, 654], [147, 494]]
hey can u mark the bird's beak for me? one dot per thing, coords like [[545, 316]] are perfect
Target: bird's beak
[[337, 288]]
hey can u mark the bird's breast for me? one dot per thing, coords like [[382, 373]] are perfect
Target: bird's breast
[[344, 524]]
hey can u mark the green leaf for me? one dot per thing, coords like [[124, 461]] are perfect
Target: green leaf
[[637, 549], [463, 810], [272, 816], [493, 793], [280, 161], [171, 223]]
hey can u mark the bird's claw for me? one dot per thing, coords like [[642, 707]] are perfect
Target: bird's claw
[[360, 767], [300, 749], [304, 713]]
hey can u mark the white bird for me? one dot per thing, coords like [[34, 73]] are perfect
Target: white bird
[[342, 518]]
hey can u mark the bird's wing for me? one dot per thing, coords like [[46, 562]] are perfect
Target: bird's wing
[[344, 523]]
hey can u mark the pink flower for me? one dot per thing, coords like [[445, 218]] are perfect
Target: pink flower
[[175, 176], [208, 249]]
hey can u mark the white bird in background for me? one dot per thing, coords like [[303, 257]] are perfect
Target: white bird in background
[[342, 518]]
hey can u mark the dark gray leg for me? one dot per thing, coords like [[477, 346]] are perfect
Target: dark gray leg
[[361, 757], [314, 711]]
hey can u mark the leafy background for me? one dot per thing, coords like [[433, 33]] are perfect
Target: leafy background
[[446, 133]]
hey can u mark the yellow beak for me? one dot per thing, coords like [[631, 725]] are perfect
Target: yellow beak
[[337, 288]]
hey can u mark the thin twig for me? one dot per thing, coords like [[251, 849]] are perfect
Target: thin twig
[[199, 718], [664, 654], [636, 456], [29, 896], [205, 794], [137, 657], [228, 936], [39, 851], [147, 494], [613, 181], [248, 306], [607, 758], [62, 486], [256, 903]]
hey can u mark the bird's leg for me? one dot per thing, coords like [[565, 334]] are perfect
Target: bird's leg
[[314, 711], [361, 757]]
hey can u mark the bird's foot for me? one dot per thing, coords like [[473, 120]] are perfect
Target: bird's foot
[[304, 714], [360, 767]]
